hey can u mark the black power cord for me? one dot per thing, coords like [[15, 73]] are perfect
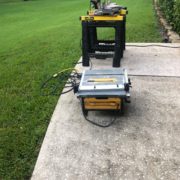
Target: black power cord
[[152, 45], [101, 125], [68, 77], [91, 64]]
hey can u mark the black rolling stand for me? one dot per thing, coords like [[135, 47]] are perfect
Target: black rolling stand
[[90, 43]]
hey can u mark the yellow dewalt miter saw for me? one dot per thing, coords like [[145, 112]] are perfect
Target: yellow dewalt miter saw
[[107, 8]]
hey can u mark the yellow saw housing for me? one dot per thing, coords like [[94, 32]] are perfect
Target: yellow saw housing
[[102, 103]]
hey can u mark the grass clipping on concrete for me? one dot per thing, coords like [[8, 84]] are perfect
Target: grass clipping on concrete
[[39, 38]]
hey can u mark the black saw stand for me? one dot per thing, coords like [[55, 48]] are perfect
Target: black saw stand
[[90, 43]]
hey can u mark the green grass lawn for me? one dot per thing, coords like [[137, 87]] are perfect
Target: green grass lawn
[[37, 39]]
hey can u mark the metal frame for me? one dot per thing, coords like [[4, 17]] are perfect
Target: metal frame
[[90, 43]]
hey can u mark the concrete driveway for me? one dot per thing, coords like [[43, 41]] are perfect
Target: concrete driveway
[[142, 144]]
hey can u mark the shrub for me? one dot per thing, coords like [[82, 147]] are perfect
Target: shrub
[[171, 11], [177, 16]]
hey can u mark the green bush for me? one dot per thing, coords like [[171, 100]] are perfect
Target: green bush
[[171, 11], [177, 16]]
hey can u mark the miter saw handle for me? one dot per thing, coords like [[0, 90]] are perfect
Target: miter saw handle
[[96, 3]]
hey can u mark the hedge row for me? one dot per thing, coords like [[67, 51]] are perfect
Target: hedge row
[[171, 10]]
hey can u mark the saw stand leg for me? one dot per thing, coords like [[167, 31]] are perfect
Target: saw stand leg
[[90, 43]]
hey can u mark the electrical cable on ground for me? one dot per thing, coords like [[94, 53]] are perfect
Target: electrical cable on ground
[[68, 77], [98, 124], [152, 45], [161, 76], [52, 86]]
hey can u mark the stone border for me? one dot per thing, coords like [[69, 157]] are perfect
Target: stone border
[[172, 36]]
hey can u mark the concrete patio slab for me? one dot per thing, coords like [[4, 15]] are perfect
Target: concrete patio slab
[[142, 144], [155, 61]]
